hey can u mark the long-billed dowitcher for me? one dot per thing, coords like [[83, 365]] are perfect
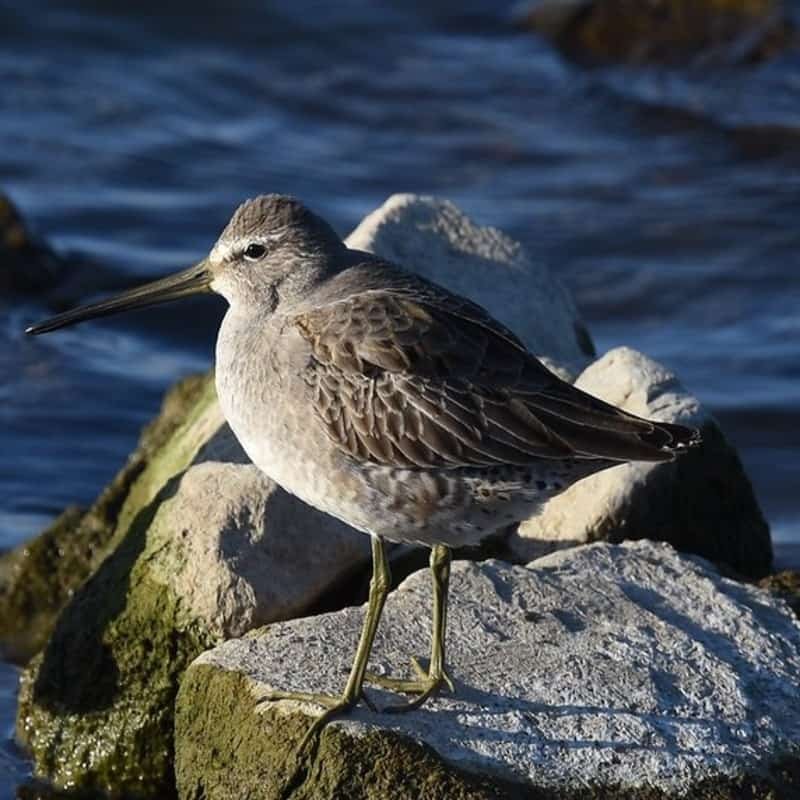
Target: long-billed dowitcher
[[388, 402]]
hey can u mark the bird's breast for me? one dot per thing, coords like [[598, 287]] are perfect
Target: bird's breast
[[270, 410]]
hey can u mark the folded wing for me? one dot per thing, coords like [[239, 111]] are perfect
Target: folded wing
[[415, 377]]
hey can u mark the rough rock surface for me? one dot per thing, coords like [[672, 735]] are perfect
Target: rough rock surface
[[38, 578], [435, 239], [701, 503], [663, 31], [606, 670], [207, 549]]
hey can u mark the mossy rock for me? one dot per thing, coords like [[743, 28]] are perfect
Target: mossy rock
[[247, 751], [665, 31], [254, 748], [95, 707], [205, 548], [39, 577]]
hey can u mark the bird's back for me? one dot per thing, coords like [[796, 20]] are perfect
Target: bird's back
[[409, 374]]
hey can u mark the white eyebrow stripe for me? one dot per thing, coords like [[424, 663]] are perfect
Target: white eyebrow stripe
[[223, 250]]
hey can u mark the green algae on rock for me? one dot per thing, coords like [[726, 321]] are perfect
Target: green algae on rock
[[204, 550], [786, 585], [39, 577], [95, 707], [246, 747]]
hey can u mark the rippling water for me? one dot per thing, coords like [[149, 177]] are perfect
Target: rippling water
[[667, 200]]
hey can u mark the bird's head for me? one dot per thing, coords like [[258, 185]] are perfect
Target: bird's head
[[272, 249]]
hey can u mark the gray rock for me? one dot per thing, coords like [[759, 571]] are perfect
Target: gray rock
[[606, 670], [702, 503], [434, 238]]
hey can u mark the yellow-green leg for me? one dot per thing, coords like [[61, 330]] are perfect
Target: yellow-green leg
[[378, 590], [427, 684]]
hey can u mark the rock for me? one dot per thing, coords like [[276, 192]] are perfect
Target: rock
[[785, 584], [435, 239], [701, 503], [607, 670], [208, 547], [38, 578], [26, 264], [663, 31], [30, 266]]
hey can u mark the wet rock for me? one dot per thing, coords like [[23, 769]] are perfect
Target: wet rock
[[673, 32], [786, 585], [26, 264], [607, 670], [30, 266], [435, 239], [207, 548], [38, 578], [701, 503]]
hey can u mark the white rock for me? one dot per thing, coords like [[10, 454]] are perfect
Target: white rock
[[607, 665], [703, 502], [435, 239], [247, 552]]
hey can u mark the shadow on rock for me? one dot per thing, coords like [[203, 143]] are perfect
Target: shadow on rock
[[79, 672]]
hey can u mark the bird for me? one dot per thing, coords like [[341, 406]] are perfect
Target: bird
[[389, 402]]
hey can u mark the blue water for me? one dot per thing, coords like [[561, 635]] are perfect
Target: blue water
[[668, 200]]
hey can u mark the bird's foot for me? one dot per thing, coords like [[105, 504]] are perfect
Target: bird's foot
[[304, 753], [425, 685], [333, 703]]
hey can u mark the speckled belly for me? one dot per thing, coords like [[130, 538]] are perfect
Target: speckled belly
[[461, 507]]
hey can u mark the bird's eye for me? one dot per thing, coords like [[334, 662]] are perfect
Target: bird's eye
[[254, 251]]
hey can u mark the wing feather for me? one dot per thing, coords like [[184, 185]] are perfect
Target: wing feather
[[412, 376]]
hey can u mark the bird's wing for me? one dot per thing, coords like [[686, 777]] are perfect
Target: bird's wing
[[415, 377]]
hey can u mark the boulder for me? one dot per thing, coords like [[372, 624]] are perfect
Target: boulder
[[672, 32], [435, 239], [604, 671], [38, 578], [701, 503], [192, 545], [207, 547], [26, 264], [786, 585], [30, 266]]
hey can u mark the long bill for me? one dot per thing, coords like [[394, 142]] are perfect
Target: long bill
[[194, 280]]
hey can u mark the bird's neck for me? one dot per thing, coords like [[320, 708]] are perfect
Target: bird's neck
[[296, 285]]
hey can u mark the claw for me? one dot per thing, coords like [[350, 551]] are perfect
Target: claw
[[420, 685], [327, 701], [431, 690]]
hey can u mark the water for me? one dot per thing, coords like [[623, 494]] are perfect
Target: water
[[667, 200]]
